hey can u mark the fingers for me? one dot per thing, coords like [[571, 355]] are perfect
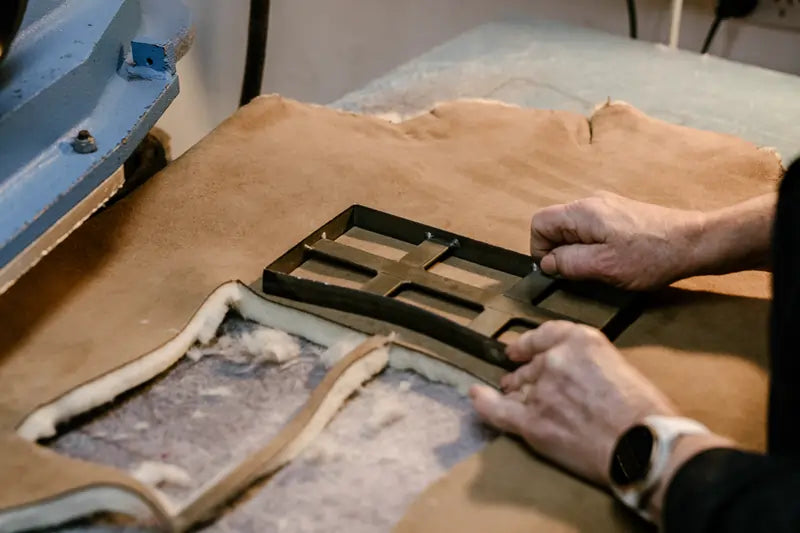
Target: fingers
[[567, 239], [543, 349], [548, 265], [503, 412], [527, 374], [522, 395], [550, 227], [538, 340], [575, 261], [582, 221]]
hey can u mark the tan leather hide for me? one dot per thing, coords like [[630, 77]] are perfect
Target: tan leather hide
[[277, 169]]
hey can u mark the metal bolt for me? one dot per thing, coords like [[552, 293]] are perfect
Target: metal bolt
[[84, 143]]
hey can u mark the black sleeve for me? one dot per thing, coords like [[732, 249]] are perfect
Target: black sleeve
[[732, 491], [725, 490]]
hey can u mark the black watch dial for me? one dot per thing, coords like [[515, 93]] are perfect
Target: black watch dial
[[630, 462]]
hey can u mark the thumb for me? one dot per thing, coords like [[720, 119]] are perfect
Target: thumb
[[502, 412], [574, 261]]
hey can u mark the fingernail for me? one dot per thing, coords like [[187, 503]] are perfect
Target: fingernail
[[511, 351], [484, 391], [548, 264], [516, 354], [478, 393]]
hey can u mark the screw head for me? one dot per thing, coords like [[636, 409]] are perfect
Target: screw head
[[84, 143]]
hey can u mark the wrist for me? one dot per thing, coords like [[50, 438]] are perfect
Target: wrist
[[694, 244], [730, 239], [685, 448], [647, 456], [710, 243], [641, 455]]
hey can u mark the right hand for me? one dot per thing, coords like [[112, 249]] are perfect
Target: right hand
[[572, 398], [617, 240]]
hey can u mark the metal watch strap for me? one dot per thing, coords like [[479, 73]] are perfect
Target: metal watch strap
[[666, 430]]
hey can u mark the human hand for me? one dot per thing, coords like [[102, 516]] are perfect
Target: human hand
[[573, 399], [623, 242]]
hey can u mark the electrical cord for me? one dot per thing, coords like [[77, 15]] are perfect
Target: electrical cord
[[258, 29], [712, 31], [632, 22], [727, 9]]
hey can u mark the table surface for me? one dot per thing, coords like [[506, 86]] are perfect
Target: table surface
[[551, 65], [537, 65]]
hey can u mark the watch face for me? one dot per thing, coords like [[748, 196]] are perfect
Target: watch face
[[630, 462]]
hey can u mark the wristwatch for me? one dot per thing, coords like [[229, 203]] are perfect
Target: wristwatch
[[641, 455]]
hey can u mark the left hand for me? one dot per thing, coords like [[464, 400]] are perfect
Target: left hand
[[573, 399], [620, 241]]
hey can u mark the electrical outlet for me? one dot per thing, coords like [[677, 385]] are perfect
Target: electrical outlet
[[777, 14]]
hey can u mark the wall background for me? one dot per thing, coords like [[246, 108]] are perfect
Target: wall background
[[319, 50]]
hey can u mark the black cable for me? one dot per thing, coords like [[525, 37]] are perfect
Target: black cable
[[712, 31], [256, 50], [632, 22], [727, 9]]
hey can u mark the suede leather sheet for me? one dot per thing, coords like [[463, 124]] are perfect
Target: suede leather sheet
[[127, 280]]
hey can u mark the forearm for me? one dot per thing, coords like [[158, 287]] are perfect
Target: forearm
[[730, 491], [734, 238]]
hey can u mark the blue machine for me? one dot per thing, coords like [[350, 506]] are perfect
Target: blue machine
[[82, 84]]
